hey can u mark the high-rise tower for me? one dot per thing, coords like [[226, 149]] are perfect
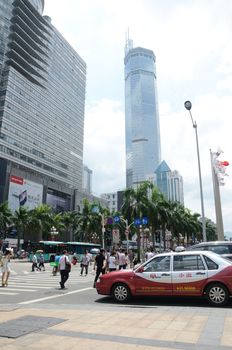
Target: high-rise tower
[[42, 100], [143, 152]]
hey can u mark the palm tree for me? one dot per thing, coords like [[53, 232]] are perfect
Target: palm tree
[[5, 218], [89, 222], [54, 221], [40, 221], [69, 220], [136, 205], [20, 220], [159, 213]]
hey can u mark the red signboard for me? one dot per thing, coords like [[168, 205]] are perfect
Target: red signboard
[[16, 180]]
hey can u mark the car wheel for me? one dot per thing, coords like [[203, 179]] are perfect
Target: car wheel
[[217, 294], [121, 293]]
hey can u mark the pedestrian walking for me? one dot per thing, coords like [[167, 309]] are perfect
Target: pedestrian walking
[[35, 263], [100, 263], [41, 261], [121, 259], [113, 261], [56, 264], [85, 263], [5, 263], [65, 268], [127, 260], [149, 254], [107, 258]]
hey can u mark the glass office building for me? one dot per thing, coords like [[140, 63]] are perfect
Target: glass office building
[[42, 101], [143, 152], [170, 183]]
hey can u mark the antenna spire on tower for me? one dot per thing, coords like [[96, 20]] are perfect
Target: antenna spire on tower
[[129, 42]]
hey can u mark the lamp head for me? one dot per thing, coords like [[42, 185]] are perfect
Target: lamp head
[[188, 105]]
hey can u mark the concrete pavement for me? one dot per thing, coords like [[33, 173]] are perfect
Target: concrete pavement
[[165, 327]]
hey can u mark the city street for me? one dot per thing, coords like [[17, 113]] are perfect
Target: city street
[[26, 287], [80, 318]]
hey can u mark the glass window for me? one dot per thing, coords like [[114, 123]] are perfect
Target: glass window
[[198, 248], [188, 262], [161, 263], [219, 249], [211, 265]]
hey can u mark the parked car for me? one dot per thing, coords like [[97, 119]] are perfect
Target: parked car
[[189, 273], [223, 248]]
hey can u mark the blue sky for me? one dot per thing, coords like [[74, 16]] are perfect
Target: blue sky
[[192, 43]]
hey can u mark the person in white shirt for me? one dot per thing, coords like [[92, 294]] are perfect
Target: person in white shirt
[[35, 263], [5, 261], [150, 254], [113, 261], [127, 260], [121, 259], [85, 263], [64, 267]]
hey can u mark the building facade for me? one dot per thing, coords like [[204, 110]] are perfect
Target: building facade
[[42, 101], [170, 183], [114, 200], [87, 179], [143, 150]]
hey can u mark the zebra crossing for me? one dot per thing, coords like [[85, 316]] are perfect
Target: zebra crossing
[[43, 281]]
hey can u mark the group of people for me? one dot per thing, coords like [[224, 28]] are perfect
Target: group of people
[[111, 261], [104, 261], [38, 262]]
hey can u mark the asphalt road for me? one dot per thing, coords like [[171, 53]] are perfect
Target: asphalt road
[[26, 287]]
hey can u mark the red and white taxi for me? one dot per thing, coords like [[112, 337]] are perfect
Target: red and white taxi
[[189, 273]]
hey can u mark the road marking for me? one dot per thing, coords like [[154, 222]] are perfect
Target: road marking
[[31, 285], [21, 290], [54, 296], [5, 293]]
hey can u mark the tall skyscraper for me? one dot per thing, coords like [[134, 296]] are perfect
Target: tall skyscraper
[[42, 100], [170, 183], [143, 152]]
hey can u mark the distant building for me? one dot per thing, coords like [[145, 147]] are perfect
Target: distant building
[[87, 179], [114, 200], [170, 183], [143, 150]]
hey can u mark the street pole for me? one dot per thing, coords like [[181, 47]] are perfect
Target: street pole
[[217, 201], [188, 106], [103, 230]]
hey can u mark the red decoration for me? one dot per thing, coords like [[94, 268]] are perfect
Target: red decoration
[[225, 163]]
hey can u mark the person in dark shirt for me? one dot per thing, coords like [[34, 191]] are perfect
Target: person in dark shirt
[[100, 263]]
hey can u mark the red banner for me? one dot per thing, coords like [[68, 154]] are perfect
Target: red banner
[[16, 180]]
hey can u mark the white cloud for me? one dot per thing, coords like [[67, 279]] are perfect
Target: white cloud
[[104, 145], [193, 47]]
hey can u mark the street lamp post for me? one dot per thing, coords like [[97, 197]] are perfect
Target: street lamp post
[[96, 210], [117, 219], [188, 106], [103, 229]]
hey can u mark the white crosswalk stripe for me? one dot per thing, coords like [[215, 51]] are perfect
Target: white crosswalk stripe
[[41, 280]]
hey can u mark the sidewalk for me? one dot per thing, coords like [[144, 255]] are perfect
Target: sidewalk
[[116, 327]]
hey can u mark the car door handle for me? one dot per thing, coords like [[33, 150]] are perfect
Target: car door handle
[[200, 273], [165, 274]]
